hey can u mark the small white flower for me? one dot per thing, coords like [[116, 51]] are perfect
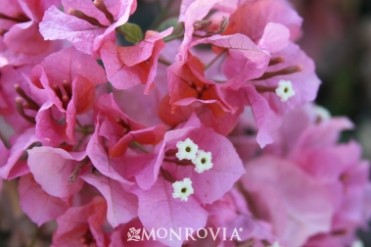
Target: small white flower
[[357, 243], [187, 149], [183, 189], [285, 90], [203, 161]]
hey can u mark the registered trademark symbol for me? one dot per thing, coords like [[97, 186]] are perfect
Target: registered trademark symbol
[[240, 229]]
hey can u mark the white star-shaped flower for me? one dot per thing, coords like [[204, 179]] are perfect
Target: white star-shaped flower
[[285, 90], [183, 189], [187, 149], [203, 161]]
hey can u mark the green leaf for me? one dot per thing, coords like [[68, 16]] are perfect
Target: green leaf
[[132, 32]]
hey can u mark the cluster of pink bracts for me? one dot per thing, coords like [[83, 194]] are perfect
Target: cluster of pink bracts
[[203, 124]]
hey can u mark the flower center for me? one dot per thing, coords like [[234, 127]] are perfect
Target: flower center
[[64, 92]]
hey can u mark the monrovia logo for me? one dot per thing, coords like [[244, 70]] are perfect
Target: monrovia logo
[[133, 234], [183, 233]]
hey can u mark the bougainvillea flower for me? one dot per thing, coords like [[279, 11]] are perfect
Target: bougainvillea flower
[[114, 134], [206, 139], [275, 38], [61, 174], [331, 240], [53, 168], [158, 209], [317, 153], [122, 206], [68, 79], [37, 204], [19, 24], [231, 211], [82, 226], [251, 17], [266, 103], [148, 105], [188, 85], [298, 207], [312, 147], [164, 171], [86, 24], [14, 89], [131, 131], [132, 65], [14, 160], [190, 12], [244, 59]]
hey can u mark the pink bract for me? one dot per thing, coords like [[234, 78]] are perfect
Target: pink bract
[[87, 25]]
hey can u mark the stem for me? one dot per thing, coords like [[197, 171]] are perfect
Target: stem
[[137, 146], [77, 170], [30, 102], [172, 37], [20, 110], [286, 71], [276, 60], [215, 59]]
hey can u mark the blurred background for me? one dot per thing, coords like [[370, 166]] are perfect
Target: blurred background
[[337, 35]]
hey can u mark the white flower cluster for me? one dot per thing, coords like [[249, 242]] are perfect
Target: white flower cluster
[[188, 150]]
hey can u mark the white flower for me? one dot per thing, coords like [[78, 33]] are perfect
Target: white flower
[[285, 90], [203, 161], [183, 189], [357, 243], [187, 149]]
